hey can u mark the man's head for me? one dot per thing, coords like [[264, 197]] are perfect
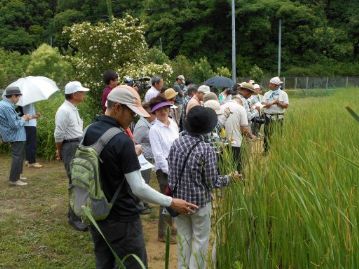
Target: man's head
[[75, 92], [157, 82], [180, 79], [274, 83], [257, 88], [110, 78], [202, 90], [246, 89], [13, 94], [123, 103], [192, 90]]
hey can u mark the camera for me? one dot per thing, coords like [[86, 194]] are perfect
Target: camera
[[259, 120], [141, 84]]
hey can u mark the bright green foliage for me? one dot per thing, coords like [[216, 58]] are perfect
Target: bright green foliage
[[202, 70], [298, 207], [256, 73], [47, 61], [223, 71]]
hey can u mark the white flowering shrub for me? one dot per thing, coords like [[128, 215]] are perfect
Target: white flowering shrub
[[118, 45]]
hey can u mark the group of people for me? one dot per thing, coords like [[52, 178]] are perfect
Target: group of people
[[175, 131]]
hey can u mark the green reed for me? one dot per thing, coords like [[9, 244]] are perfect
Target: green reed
[[298, 206]]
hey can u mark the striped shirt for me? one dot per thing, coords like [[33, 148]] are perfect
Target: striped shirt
[[11, 125], [200, 174]]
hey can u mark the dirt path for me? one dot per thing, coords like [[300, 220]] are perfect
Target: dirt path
[[48, 185]]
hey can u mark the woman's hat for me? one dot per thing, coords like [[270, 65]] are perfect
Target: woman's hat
[[215, 105], [160, 105], [201, 120], [170, 93]]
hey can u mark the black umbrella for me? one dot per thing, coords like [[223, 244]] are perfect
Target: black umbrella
[[219, 82]]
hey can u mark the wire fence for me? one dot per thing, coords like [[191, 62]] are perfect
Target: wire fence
[[312, 82]]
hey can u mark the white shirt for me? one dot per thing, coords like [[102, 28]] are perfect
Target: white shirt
[[270, 96], [30, 109], [161, 139], [68, 124], [233, 121], [151, 93]]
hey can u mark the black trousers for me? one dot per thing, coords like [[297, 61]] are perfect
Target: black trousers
[[237, 158], [17, 161], [31, 144], [270, 127], [124, 238]]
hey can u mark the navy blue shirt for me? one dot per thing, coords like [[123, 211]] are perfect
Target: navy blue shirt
[[118, 158]]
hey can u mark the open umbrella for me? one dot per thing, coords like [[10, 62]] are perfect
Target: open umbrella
[[219, 82], [34, 89]]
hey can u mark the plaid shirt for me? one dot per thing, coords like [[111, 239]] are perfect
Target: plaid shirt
[[200, 175]]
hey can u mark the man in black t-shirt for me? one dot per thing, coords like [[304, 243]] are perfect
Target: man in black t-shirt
[[120, 166]]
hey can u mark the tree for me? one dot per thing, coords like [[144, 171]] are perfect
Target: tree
[[118, 45]]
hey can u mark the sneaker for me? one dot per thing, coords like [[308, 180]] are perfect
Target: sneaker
[[17, 183], [78, 225], [22, 177], [35, 165]]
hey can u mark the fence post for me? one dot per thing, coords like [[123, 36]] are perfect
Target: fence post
[[346, 82], [306, 83], [283, 82], [295, 83], [326, 84]]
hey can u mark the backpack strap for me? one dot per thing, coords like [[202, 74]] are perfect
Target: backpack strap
[[105, 138]]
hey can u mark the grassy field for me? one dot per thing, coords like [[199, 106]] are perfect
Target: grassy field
[[298, 207]]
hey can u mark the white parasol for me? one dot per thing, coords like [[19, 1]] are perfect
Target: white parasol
[[34, 89]]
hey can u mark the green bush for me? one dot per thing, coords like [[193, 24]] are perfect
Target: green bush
[[256, 73], [223, 71], [202, 70], [181, 65], [47, 61]]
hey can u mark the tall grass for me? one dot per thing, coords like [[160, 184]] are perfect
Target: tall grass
[[298, 207]]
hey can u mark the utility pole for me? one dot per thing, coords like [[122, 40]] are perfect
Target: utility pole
[[109, 10], [279, 46], [234, 72]]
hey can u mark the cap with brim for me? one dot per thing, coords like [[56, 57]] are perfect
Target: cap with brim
[[204, 89], [201, 120], [12, 90], [75, 86], [128, 96], [215, 105], [170, 93], [276, 81], [160, 105], [247, 86]]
